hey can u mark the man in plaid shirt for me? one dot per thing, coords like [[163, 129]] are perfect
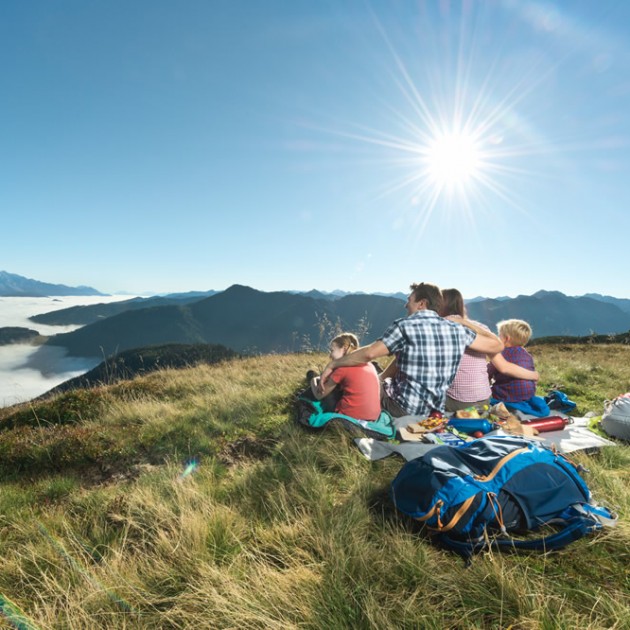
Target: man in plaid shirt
[[428, 349]]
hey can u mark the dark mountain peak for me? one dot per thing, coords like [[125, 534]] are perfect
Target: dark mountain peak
[[318, 295], [240, 289], [546, 294], [243, 292]]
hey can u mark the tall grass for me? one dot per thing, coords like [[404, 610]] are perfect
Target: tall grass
[[209, 508]]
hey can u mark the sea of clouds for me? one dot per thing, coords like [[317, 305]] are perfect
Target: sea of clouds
[[27, 371]]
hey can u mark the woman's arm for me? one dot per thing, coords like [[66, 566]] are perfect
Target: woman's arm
[[511, 369], [485, 341], [389, 371]]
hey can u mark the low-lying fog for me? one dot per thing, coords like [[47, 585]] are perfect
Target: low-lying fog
[[27, 371]]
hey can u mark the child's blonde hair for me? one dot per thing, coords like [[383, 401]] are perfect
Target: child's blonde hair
[[347, 341], [517, 330]]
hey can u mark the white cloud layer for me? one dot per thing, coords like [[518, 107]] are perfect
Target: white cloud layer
[[27, 371]]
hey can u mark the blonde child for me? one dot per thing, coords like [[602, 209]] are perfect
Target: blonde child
[[351, 391], [516, 393]]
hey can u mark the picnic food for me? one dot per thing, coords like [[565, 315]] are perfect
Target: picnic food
[[467, 413], [426, 425], [432, 423]]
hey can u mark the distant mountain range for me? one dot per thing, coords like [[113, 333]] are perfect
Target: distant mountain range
[[90, 313], [335, 295], [250, 321], [551, 313], [624, 305], [242, 318], [12, 285]]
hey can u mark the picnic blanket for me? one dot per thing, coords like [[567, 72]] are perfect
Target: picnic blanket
[[575, 437]]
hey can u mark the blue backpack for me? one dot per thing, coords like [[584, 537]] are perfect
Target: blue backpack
[[471, 497]]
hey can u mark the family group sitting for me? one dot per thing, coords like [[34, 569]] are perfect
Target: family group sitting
[[442, 361]]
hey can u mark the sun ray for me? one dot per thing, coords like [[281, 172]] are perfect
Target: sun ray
[[417, 102], [456, 141]]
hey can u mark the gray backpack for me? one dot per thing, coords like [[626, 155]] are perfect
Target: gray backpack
[[616, 418]]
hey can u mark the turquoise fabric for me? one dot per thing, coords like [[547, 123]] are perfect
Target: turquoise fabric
[[382, 425]]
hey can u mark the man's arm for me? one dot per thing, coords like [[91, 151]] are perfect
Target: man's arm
[[485, 341], [511, 369], [322, 392], [358, 357]]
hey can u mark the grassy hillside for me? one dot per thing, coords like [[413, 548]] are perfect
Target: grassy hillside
[[188, 499], [132, 363]]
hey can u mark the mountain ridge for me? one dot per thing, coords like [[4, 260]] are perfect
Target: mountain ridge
[[240, 318], [252, 321], [14, 285], [551, 313]]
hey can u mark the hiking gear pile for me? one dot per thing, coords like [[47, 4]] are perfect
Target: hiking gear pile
[[472, 497]]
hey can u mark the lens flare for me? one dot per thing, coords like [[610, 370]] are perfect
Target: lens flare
[[190, 468]]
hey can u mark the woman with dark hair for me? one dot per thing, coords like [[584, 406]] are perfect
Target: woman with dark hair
[[471, 385]]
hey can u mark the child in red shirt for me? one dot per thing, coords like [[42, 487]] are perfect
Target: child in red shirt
[[351, 391]]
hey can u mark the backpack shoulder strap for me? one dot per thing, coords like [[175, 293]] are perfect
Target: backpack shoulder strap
[[572, 530]]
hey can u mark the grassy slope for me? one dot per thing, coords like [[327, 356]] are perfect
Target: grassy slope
[[276, 527]]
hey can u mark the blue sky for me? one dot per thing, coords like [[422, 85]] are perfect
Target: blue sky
[[156, 146]]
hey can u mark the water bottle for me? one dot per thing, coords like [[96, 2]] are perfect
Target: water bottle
[[470, 425], [551, 423]]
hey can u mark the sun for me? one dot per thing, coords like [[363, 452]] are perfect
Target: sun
[[452, 159], [453, 145]]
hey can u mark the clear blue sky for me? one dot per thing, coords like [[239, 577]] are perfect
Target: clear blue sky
[[169, 145]]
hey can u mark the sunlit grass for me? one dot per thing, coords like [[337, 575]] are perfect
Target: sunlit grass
[[273, 527]]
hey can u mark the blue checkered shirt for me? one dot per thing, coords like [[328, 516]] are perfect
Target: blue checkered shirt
[[428, 350]]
